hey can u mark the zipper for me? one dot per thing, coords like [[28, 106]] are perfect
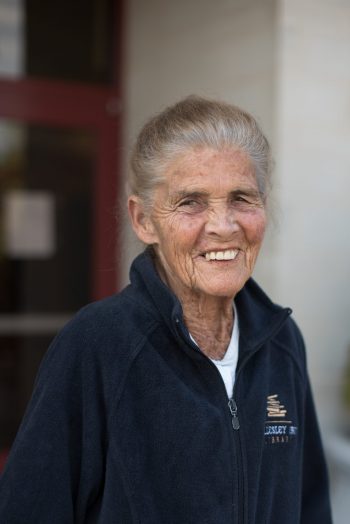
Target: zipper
[[239, 459], [237, 448], [233, 410]]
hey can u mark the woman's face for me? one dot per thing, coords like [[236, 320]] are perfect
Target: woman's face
[[208, 222]]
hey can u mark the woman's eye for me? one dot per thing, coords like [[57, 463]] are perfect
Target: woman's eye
[[240, 199], [246, 202], [189, 202], [191, 205]]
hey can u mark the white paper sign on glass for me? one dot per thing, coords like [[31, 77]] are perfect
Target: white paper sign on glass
[[29, 224]]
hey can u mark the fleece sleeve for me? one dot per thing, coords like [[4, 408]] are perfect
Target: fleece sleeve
[[55, 466], [315, 490]]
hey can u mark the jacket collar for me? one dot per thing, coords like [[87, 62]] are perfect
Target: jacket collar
[[259, 318]]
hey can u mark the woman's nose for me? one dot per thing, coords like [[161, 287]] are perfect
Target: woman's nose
[[221, 221]]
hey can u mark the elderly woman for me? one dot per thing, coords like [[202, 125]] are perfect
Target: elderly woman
[[185, 398]]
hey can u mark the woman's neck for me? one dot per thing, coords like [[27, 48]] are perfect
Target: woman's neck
[[208, 318], [210, 322]]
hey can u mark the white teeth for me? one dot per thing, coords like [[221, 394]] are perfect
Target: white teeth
[[229, 254]]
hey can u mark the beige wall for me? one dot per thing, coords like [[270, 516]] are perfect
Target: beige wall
[[313, 158]]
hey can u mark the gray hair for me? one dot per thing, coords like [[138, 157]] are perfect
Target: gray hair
[[195, 122]]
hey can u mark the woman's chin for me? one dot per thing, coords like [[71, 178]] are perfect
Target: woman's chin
[[221, 289], [224, 281]]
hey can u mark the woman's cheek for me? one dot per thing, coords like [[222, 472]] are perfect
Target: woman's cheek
[[255, 226], [186, 227]]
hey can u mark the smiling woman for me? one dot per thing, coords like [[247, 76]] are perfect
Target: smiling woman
[[206, 227], [184, 398], [200, 181]]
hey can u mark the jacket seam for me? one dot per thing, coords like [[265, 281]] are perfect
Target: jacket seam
[[300, 370], [117, 394]]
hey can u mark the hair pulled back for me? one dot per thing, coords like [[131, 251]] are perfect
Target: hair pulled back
[[195, 122]]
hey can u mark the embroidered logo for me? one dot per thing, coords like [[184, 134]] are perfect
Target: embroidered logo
[[274, 407], [278, 430]]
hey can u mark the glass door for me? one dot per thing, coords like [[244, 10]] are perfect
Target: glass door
[[60, 118]]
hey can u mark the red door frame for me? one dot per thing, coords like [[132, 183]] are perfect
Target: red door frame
[[98, 108], [71, 105]]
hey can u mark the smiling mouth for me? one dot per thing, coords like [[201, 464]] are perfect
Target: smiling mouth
[[228, 254]]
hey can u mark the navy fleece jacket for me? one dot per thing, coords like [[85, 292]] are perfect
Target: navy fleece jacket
[[130, 423]]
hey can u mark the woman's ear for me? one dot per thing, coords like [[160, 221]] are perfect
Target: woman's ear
[[141, 221]]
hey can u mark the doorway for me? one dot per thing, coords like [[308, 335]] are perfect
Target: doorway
[[60, 132]]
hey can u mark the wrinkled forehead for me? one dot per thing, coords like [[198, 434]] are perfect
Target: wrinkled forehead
[[202, 166]]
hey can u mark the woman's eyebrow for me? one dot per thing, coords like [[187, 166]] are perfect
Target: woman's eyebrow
[[185, 193], [178, 195], [250, 192]]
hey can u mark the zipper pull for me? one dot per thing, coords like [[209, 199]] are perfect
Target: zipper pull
[[233, 410]]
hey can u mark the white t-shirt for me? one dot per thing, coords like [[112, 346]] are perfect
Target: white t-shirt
[[227, 365]]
